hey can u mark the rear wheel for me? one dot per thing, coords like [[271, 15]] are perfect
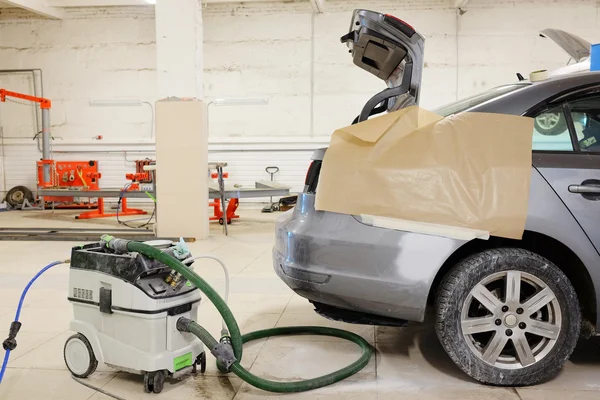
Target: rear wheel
[[79, 356], [508, 317]]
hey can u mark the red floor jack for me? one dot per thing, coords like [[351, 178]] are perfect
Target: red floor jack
[[216, 204]]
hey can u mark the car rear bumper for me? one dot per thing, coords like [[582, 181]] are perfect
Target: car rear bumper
[[336, 260]]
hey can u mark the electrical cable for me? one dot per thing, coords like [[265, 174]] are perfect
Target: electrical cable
[[82, 178], [10, 343], [15, 327], [97, 389], [121, 195]]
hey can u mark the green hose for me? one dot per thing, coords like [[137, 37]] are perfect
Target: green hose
[[237, 340]]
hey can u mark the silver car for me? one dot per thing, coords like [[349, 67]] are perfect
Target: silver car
[[508, 312]]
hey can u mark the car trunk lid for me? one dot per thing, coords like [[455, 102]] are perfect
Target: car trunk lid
[[390, 49]]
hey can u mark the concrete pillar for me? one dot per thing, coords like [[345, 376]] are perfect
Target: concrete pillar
[[179, 43], [181, 128]]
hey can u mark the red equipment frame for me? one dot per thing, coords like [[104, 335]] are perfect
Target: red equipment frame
[[216, 204], [125, 211]]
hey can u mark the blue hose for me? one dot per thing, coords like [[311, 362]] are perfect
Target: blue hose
[[12, 334]]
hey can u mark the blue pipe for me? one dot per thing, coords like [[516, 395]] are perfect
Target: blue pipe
[[18, 313]]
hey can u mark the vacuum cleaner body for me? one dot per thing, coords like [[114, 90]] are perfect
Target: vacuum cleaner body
[[126, 308]]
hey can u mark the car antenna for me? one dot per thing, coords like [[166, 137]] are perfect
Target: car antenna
[[520, 77]]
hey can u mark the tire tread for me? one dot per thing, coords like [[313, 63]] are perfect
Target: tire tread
[[446, 296]]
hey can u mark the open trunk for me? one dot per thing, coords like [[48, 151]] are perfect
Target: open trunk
[[393, 51]]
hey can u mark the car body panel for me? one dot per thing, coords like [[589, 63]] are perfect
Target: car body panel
[[336, 260], [585, 211]]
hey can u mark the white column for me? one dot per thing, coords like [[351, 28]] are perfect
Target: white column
[[179, 43], [181, 129]]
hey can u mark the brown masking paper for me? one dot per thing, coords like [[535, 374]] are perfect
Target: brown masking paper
[[470, 170]]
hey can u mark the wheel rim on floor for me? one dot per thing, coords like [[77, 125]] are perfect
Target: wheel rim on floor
[[511, 320], [77, 356], [17, 197]]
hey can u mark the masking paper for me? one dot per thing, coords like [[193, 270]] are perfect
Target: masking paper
[[470, 170]]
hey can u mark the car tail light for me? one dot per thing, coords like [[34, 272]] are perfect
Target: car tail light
[[397, 23], [312, 177], [308, 172]]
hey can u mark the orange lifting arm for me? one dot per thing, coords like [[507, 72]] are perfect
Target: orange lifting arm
[[44, 103]]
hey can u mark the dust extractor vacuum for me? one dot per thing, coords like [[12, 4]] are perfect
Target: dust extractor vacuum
[[135, 309]]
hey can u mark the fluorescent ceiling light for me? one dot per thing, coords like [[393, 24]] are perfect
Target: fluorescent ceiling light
[[151, 1], [258, 101], [115, 102]]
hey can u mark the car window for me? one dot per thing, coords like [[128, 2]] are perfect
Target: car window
[[586, 121], [551, 131], [470, 102]]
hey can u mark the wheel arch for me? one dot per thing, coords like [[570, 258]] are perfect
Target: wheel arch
[[554, 250]]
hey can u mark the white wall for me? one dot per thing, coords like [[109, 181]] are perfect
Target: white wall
[[277, 50]]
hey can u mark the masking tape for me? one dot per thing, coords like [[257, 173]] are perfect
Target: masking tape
[[537, 76]]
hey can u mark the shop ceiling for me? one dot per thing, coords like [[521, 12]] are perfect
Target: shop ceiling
[[55, 8]]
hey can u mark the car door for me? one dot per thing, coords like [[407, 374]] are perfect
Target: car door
[[569, 157]]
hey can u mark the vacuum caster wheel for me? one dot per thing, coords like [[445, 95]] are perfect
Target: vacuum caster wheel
[[79, 356], [154, 382], [200, 361]]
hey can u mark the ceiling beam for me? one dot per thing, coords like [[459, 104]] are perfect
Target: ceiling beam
[[37, 6], [110, 3], [459, 3], [96, 3], [318, 5]]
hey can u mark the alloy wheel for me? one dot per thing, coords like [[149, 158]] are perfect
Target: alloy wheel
[[511, 319]]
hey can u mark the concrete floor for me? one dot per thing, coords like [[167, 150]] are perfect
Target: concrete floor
[[409, 362]]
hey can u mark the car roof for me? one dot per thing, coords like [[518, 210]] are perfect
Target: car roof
[[534, 94]]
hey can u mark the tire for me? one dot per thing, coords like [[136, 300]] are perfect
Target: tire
[[201, 361], [17, 195], [468, 343], [154, 382], [159, 382], [550, 124], [79, 356], [148, 382]]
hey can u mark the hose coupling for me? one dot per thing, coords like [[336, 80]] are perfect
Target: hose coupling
[[223, 352], [11, 342], [183, 324], [118, 245]]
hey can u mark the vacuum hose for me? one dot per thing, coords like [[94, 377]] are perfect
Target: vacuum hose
[[237, 340]]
